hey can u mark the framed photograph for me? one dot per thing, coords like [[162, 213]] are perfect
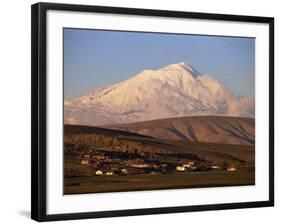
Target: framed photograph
[[140, 111]]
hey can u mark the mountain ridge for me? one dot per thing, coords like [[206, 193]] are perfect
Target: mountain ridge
[[210, 129]]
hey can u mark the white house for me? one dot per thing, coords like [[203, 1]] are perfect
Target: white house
[[124, 171], [231, 169], [180, 168], [99, 172], [214, 167]]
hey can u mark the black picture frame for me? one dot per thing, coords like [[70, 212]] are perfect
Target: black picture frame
[[38, 108]]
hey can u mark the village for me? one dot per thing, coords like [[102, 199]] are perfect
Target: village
[[101, 160], [116, 163]]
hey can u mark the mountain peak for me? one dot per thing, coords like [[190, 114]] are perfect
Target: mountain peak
[[183, 66]]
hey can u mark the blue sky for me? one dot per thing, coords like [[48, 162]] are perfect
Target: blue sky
[[94, 58]]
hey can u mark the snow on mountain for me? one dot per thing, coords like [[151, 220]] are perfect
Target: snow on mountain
[[176, 90]]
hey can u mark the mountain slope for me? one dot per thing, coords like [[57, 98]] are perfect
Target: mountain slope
[[176, 90], [212, 129]]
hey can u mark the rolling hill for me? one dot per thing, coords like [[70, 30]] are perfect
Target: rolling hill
[[212, 129]]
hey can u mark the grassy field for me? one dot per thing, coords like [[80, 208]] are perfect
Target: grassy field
[[99, 184]]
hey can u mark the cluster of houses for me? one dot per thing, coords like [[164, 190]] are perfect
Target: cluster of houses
[[100, 172], [105, 166], [191, 166]]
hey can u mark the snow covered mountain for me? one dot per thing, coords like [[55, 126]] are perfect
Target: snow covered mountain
[[176, 90]]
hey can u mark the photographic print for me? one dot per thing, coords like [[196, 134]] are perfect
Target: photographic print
[[132, 106], [151, 111]]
